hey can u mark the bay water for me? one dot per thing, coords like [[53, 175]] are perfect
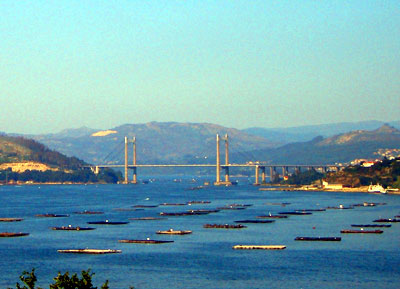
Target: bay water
[[205, 258]]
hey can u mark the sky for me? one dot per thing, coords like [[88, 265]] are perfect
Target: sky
[[100, 64]]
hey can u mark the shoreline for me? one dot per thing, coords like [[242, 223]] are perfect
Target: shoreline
[[363, 189]]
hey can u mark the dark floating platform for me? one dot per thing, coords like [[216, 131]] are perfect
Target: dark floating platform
[[231, 208], [387, 221], [85, 212], [259, 247], [311, 210], [198, 202], [128, 209], [272, 217], [173, 204], [51, 215], [255, 221], [107, 222], [372, 226], [278, 204], [89, 251], [361, 231], [295, 213], [174, 232], [318, 239], [146, 219], [70, 228], [224, 226], [340, 207], [10, 235], [189, 213], [146, 241], [11, 219]]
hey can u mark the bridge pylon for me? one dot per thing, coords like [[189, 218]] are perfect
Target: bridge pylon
[[218, 181]]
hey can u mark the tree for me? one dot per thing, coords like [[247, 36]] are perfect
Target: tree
[[62, 281]]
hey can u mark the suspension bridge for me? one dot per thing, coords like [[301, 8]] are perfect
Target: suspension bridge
[[259, 167]]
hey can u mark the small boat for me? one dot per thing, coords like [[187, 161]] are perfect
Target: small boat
[[89, 251], [295, 213], [174, 232], [70, 228], [9, 234], [146, 219], [224, 226], [145, 206], [259, 247], [255, 221], [372, 226], [11, 219], [272, 217], [318, 239], [146, 241], [107, 222], [51, 215], [240, 205], [387, 220], [85, 212], [361, 231]]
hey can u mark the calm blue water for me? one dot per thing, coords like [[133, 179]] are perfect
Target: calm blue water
[[204, 258]]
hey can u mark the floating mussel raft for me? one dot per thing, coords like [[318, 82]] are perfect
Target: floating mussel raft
[[89, 251], [259, 247], [107, 222], [85, 212], [318, 239], [295, 213], [255, 221], [70, 228], [224, 226], [11, 219], [361, 231], [372, 226], [51, 215], [272, 217], [174, 232], [145, 241], [10, 234], [146, 219], [387, 220]]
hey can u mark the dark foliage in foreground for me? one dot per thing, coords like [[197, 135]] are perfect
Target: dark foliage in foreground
[[62, 281]]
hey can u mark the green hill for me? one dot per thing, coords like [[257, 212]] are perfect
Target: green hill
[[44, 165], [20, 149]]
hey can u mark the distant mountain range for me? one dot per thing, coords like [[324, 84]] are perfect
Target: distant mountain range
[[306, 133], [172, 142], [342, 148], [167, 142]]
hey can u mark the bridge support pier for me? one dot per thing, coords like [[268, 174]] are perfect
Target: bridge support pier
[[263, 181], [256, 181]]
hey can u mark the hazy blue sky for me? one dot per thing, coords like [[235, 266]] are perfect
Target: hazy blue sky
[[66, 64]]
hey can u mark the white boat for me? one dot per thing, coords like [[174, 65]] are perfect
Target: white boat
[[377, 189]]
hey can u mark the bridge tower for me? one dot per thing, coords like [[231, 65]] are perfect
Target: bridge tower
[[134, 181], [126, 161], [218, 181]]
